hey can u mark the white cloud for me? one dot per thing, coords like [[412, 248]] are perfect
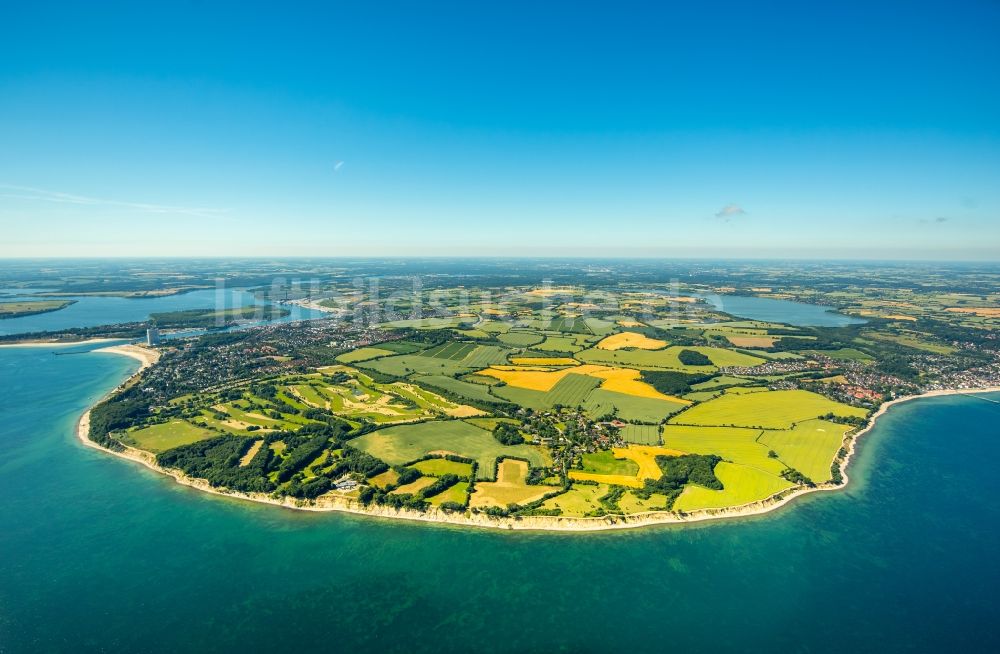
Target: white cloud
[[730, 211], [43, 195]]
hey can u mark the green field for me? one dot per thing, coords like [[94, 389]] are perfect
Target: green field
[[721, 380], [574, 325], [452, 358], [363, 354], [520, 339], [571, 390], [809, 447], [18, 309], [536, 400], [361, 398], [167, 435], [489, 424], [600, 327], [735, 444], [741, 485], [465, 389], [629, 503], [605, 463], [641, 434], [405, 443], [402, 347], [630, 407], [768, 410], [577, 501], [456, 351], [459, 494], [438, 467], [666, 359], [561, 344]]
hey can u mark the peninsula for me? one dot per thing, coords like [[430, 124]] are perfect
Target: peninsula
[[571, 408]]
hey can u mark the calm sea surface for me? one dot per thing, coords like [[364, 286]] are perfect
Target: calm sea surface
[[89, 311], [99, 554]]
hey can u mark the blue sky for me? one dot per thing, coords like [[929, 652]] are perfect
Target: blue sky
[[867, 130]]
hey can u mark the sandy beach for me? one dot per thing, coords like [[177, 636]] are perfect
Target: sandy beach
[[144, 355], [531, 523]]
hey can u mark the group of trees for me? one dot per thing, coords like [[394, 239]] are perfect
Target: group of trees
[[670, 382], [128, 408], [679, 471], [693, 358], [217, 461], [796, 477], [507, 434]]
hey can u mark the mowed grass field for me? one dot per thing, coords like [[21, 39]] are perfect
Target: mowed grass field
[[404, 443], [509, 488], [459, 494], [439, 467], [629, 503], [579, 500], [168, 435], [414, 486], [741, 485], [767, 409]]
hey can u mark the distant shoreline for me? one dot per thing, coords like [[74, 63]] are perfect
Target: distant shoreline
[[526, 523], [88, 341]]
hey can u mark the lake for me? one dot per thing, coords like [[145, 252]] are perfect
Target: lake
[[798, 314], [91, 311]]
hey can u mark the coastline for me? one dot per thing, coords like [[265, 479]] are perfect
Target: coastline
[[145, 356], [89, 341], [527, 523]]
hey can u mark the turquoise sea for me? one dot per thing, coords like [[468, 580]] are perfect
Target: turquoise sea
[[99, 554]]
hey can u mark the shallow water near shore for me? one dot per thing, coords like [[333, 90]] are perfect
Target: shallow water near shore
[[98, 553]]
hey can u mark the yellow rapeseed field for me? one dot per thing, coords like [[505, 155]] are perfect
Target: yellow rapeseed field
[[645, 456], [620, 380], [544, 361], [752, 341], [985, 312], [630, 339]]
